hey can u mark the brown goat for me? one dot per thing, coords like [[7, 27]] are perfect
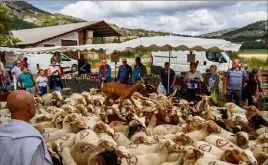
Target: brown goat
[[115, 90]]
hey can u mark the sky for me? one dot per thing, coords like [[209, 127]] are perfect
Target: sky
[[180, 17]]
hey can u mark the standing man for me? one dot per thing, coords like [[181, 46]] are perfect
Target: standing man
[[105, 72], [139, 71], [81, 63], [20, 143], [164, 78], [16, 71], [85, 68], [233, 83], [124, 73]]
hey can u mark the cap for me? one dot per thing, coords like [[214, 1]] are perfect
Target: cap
[[124, 60]]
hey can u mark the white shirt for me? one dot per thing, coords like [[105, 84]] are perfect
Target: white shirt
[[191, 76], [17, 70], [53, 68], [42, 81]]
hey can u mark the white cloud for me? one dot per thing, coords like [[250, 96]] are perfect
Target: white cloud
[[184, 17]]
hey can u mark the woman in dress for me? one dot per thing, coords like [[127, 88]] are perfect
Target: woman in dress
[[54, 73]]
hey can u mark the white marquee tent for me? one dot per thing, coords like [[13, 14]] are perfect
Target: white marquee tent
[[157, 43]]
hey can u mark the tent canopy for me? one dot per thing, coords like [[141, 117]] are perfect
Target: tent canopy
[[157, 43]]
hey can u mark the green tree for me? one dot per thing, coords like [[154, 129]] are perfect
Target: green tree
[[6, 38], [115, 40], [97, 40]]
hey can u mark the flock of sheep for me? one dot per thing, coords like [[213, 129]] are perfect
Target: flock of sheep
[[158, 130]]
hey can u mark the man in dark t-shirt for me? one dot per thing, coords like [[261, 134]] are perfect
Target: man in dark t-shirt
[[164, 78]]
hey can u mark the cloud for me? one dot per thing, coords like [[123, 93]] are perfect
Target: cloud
[[183, 17]]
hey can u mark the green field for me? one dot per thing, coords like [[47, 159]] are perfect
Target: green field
[[260, 51]]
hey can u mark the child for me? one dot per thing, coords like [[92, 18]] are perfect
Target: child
[[42, 83]]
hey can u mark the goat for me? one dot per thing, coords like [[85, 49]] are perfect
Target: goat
[[122, 91]]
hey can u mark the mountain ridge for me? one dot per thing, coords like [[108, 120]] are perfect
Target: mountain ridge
[[26, 16]]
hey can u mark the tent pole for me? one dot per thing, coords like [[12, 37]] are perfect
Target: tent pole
[[169, 71]]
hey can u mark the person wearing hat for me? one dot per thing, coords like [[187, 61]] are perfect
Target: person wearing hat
[[139, 71], [124, 73], [105, 72]]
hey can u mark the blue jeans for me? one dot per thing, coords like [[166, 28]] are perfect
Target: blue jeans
[[56, 88], [235, 95], [43, 90], [170, 90]]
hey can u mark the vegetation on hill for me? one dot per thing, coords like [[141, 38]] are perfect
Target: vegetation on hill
[[24, 16], [6, 38]]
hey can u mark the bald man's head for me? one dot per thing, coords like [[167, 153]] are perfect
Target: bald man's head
[[21, 102], [235, 64]]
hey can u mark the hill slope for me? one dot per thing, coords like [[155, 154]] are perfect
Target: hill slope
[[253, 31], [27, 16]]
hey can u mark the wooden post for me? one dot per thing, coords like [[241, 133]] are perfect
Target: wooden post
[[118, 39]]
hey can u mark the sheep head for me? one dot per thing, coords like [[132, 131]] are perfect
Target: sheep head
[[78, 122], [197, 122], [57, 95], [263, 138], [141, 140], [235, 156], [101, 127], [211, 127], [192, 154], [107, 142], [68, 108], [183, 139], [39, 100], [80, 108], [242, 140], [122, 152], [42, 118]]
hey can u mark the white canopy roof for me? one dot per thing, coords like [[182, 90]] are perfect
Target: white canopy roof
[[166, 43], [6, 49], [158, 43]]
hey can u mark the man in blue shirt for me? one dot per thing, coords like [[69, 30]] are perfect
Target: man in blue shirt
[[164, 78], [233, 83], [124, 73], [139, 71]]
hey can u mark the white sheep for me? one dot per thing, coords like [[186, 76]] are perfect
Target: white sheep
[[140, 149], [121, 139], [71, 123], [208, 128], [157, 158], [233, 108], [220, 142], [67, 140], [261, 131], [4, 112], [79, 99], [87, 136]]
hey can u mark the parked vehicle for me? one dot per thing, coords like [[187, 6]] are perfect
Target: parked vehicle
[[180, 60], [43, 62]]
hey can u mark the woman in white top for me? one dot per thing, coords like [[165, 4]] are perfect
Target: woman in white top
[[193, 78], [54, 73]]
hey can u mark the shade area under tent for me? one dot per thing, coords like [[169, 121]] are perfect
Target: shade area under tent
[[145, 44]]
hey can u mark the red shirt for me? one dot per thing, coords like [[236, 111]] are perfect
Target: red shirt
[[103, 72]]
